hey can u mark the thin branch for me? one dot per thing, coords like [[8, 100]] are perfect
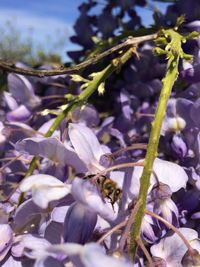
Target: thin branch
[[171, 226], [167, 84], [111, 231], [146, 253], [130, 41], [10, 162], [119, 166], [128, 148]]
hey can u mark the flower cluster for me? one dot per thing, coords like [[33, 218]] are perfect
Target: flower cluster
[[75, 208]]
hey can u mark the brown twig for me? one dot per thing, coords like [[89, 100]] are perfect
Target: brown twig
[[130, 41], [146, 253], [111, 231], [128, 148], [171, 226], [10, 162], [119, 166]]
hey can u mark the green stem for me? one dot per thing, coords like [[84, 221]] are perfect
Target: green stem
[[168, 82], [82, 98]]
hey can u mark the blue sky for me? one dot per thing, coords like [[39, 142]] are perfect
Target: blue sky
[[48, 20]]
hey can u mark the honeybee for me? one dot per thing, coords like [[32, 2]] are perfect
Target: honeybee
[[108, 188]]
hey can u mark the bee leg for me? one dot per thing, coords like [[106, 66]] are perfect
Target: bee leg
[[113, 206], [112, 203]]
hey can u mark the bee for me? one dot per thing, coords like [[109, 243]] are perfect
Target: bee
[[108, 188]]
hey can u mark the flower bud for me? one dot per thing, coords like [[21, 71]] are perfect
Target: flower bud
[[191, 259]]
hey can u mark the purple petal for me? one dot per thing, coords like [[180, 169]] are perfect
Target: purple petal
[[54, 232], [6, 240], [49, 261], [10, 101], [179, 146], [194, 25], [79, 224], [87, 114], [27, 217], [126, 104], [52, 149], [22, 90], [20, 114], [58, 214]]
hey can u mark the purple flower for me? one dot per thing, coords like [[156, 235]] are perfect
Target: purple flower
[[18, 113], [179, 146], [22, 90], [53, 149], [86, 114], [171, 249]]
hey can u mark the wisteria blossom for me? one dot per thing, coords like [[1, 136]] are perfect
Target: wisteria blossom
[[171, 249], [89, 151], [98, 167]]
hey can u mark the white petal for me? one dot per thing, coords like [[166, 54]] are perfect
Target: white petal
[[196, 244], [42, 196], [33, 247], [11, 262], [168, 207], [39, 180], [92, 252], [167, 172], [118, 177], [45, 188], [92, 255], [86, 145], [147, 228], [67, 248], [170, 173], [58, 214]]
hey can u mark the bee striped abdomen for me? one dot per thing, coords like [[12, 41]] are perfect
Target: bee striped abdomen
[[108, 188]]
